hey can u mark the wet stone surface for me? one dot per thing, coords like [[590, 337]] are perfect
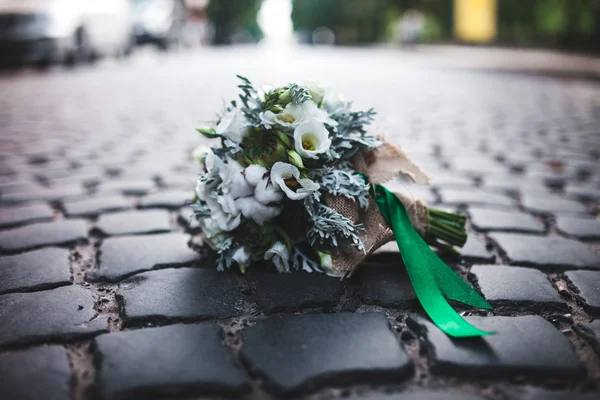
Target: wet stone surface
[[586, 285], [43, 234], [123, 256], [323, 357], [51, 315], [512, 286], [546, 251], [487, 219], [35, 270], [291, 292], [38, 373], [95, 205], [181, 293], [580, 228], [20, 215], [192, 360], [526, 346], [134, 222]]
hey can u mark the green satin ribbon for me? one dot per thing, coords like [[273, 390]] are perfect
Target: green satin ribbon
[[432, 279]]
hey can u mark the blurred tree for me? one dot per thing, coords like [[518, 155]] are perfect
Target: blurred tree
[[231, 16]]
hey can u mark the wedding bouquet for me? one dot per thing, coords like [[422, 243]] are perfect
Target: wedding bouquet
[[296, 181]]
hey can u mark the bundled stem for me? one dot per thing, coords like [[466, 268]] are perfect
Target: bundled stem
[[447, 227]]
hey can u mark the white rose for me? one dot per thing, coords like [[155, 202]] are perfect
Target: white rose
[[280, 256], [316, 91], [290, 117], [256, 211], [311, 138], [233, 125], [284, 174]]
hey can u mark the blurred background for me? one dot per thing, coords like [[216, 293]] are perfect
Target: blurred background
[[43, 32]]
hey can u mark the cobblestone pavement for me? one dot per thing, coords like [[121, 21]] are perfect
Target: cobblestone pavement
[[106, 291]]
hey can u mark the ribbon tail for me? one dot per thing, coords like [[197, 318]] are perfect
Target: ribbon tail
[[431, 278]]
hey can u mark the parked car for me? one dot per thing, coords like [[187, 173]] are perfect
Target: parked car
[[159, 22], [44, 31]]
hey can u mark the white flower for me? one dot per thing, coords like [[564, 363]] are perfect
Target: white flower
[[316, 91], [284, 174], [233, 125], [267, 193], [254, 173], [200, 153], [234, 183], [327, 265], [242, 257], [313, 112], [311, 138], [256, 211], [333, 101], [223, 211], [290, 117], [280, 256]]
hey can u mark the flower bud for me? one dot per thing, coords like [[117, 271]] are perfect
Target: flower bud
[[295, 158], [208, 132], [325, 259], [285, 139], [276, 109], [285, 98]]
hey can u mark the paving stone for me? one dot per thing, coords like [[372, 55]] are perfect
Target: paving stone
[[451, 181], [535, 393], [386, 285], [64, 232], [474, 197], [552, 204], [167, 199], [412, 190], [549, 251], [421, 395], [511, 286], [42, 194], [35, 270], [475, 250], [526, 346], [585, 193], [485, 219], [134, 222], [166, 361], [319, 345], [181, 293], [95, 205], [124, 256], [39, 373], [291, 292], [127, 186], [19, 215], [587, 286], [52, 315], [590, 331], [580, 228]]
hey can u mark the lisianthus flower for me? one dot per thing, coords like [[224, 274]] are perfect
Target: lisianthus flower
[[242, 257], [233, 125], [256, 211], [290, 117], [316, 91], [333, 101], [279, 255], [200, 153], [313, 112], [311, 138], [287, 177]]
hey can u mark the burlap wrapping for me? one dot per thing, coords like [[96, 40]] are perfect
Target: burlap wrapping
[[380, 165]]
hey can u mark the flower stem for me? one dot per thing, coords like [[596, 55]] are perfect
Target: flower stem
[[445, 226]]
